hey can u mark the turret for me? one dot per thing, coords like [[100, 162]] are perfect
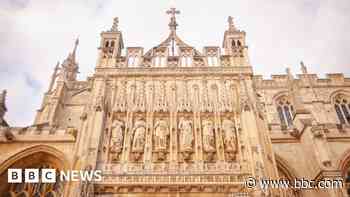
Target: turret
[[110, 46], [234, 45]]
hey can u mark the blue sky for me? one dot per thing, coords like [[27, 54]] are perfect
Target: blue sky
[[35, 34]]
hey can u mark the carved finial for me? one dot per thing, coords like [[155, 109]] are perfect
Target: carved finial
[[115, 24], [3, 97], [57, 67], [70, 66], [303, 68], [289, 73], [231, 25], [172, 12], [54, 76], [75, 46]]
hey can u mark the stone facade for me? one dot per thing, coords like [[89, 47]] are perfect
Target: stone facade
[[175, 121]]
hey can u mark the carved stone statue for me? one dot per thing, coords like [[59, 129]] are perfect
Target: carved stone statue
[[208, 136], [139, 135], [161, 135], [186, 135], [99, 105], [117, 136], [72, 131], [230, 138]]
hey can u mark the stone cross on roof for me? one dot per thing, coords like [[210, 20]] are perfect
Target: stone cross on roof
[[115, 24], [289, 74], [231, 25], [172, 11], [303, 67]]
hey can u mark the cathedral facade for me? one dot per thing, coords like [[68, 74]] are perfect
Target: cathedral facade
[[175, 121]]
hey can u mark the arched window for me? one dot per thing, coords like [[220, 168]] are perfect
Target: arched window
[[233, 44], [159, 61], [133, 61], [40, 189], [347, 182], [112, 43], [285, 111], [342, 108], [186, 61], [239, 43], [106, 44], [345, 169]]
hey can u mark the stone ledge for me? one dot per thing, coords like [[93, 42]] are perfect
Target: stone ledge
[[218, 179], [191, 71], [34, 135]]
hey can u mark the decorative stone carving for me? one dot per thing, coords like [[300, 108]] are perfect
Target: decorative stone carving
[[138, 143], [208, 136], [99, 105], [230, 139], [317, 131], [141, 97], [86, 188], [117, 139], [186, 135], [186, 138], [161, 135], [139, 135], [72, 131], [83, 116], [7, 133]]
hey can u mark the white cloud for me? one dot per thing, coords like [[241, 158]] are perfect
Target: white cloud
[[36, 34]]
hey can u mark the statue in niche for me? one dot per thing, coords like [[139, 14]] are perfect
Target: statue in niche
[[99, 105], [139, 135], [186, 135], [208, 136], [117, 138], [230, 138], [161, 135]]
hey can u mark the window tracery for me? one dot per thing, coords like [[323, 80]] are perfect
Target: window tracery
[[37, 189], [186, 61], [133, 61], [347, 182], [233, 43], [212, 61], [159, 61], [342, 108], [285, 111]]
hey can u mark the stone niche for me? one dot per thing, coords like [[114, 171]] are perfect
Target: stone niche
[[186, 137], [117, 137], [161, 138], [138, 136], [209, 138]]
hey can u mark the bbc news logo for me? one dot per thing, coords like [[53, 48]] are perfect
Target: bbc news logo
[[48, 175]]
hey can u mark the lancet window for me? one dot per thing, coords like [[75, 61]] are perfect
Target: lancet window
[[285, 111], [342, 108]]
